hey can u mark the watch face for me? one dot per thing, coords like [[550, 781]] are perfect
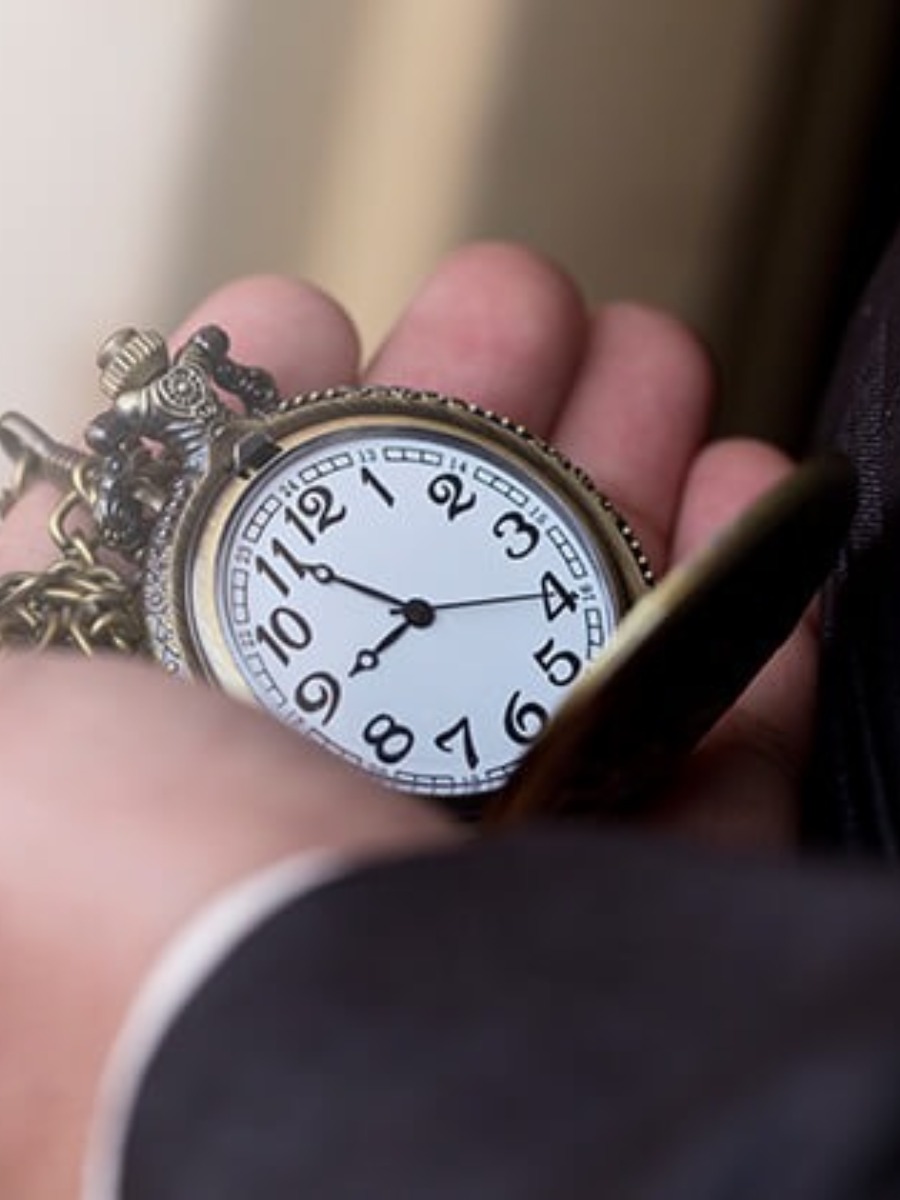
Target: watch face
[[417, 599]]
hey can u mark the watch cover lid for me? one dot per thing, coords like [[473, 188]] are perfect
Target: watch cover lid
[[684, 653]]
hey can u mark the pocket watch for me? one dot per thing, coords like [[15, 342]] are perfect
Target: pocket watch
[[410, 581], [419, 585]]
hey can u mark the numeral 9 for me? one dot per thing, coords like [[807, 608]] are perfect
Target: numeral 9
[[318, 693]]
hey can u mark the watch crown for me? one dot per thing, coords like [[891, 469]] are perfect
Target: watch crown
[[130, 359]]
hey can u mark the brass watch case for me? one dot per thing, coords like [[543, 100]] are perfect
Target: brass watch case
[[179, 572]]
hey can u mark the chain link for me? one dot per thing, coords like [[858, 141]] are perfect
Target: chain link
[[79, 601], [88, 599], [22, 471]]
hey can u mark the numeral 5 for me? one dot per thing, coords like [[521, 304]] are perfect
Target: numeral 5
[[560, 666]]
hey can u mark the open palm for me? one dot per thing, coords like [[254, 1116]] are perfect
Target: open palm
[[119, 781]]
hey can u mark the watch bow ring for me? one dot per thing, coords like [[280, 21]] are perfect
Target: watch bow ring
[[412, 582]]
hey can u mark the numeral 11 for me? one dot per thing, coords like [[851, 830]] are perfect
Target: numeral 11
[[274, 576]]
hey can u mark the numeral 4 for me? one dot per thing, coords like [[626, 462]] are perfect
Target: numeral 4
[[556, 596]]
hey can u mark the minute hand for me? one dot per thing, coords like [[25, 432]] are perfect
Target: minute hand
[[323, 573], [483, 601]]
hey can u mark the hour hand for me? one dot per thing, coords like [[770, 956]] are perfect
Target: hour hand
[[370, 657]]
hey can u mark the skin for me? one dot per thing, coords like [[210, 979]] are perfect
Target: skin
[[130, 800]]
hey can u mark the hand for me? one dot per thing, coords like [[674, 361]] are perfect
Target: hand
[[115, 776], [485, 601], [324, 574], [370, 657]]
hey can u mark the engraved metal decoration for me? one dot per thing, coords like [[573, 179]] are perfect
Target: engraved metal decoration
[[172, 404], [164, 415]]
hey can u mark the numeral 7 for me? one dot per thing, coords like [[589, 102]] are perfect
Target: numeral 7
[[460, 733]]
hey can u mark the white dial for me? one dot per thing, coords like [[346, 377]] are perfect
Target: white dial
[[414, 599]]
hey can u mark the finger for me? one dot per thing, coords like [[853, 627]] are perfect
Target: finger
[[496, 325], [639, 410], [292, 329], [724, 480], [741, 788]]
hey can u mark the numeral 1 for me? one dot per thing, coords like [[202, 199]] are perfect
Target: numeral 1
[[370, 479]]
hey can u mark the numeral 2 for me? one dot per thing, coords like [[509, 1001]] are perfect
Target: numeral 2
[[449, 492]]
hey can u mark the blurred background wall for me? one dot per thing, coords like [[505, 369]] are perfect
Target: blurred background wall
[[720, 159]]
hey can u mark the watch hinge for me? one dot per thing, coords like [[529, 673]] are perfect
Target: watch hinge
[[253, 452]]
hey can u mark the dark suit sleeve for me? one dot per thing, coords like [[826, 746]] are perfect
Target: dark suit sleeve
[[558, 1015], [854, 802]]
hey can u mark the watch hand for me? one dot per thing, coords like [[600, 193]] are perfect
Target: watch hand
[[322, 573], [483, 601], [416, 613], [369, 658]]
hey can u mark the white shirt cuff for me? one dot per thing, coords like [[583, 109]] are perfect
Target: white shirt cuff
[[196, 952]]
